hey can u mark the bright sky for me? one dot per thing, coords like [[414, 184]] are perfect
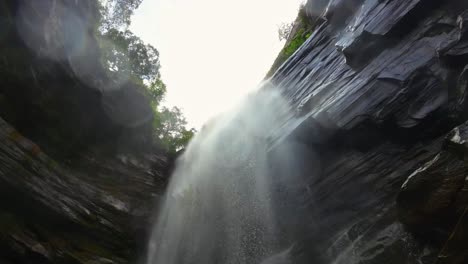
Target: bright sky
[[212, 51]]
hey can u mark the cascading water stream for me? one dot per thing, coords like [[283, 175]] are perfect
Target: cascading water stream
[[218, 208]]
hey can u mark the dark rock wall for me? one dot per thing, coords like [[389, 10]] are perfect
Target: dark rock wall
[[376, 90], [79, 177], [100, 208]]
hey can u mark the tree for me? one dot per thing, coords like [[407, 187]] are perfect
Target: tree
[[156, 91], [127, 57], [116, 14], [171, 129], [126, 54], [284, 30]]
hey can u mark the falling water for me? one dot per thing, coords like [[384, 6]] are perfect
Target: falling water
[[218, 207]]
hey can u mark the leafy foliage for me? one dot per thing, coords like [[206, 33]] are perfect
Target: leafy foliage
[[157, 90], [126, 54], [295, 34], [171, 129], [127, 57], [116, 14], [299, 38]]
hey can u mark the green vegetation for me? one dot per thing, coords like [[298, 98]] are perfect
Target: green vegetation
[[170, 128], [117, 14], [126, 56], [299, 38], [295, 34]]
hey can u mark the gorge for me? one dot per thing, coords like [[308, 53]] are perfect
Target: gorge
[[353, 151]]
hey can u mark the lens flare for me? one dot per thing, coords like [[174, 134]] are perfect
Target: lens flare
[[41, 23]]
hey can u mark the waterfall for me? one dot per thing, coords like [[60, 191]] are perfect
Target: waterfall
[[218, 208]]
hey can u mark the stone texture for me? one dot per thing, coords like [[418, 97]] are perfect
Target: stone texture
[[455, 251], [431, 199], [99, 208], [376, 93]]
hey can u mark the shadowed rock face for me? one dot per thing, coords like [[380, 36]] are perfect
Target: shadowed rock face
[[98, 209], [377, 92], [434, 199], [53, 87], [76, 185]]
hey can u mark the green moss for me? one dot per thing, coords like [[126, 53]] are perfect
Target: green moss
[[296, 42], [304, 26]]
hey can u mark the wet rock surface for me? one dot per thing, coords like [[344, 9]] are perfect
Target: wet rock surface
[[378, 95], [432, 199]]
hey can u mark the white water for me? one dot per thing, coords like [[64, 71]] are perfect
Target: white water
[[218, 207]]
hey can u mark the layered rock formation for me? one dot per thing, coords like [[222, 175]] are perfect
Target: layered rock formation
[[379, 90]]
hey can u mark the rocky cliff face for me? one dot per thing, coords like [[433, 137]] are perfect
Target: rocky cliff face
[[380, 96], [77, 179]]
